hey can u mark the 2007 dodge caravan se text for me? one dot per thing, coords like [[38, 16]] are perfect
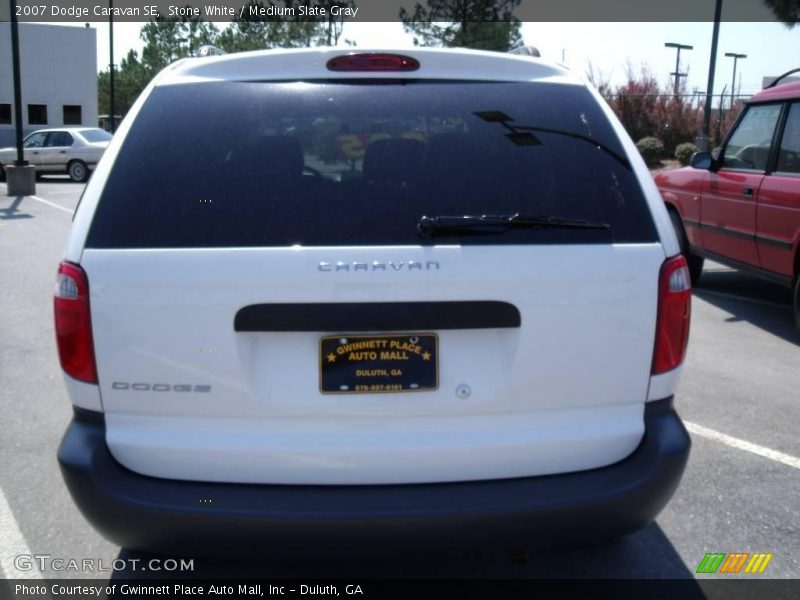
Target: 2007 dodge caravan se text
[[335, 297]]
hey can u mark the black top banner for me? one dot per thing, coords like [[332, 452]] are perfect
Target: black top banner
[[81, 11]]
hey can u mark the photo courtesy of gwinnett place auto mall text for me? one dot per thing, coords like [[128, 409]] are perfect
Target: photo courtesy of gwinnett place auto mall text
[[399, 299]]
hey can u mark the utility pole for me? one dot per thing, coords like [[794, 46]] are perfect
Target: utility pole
[[721, 113], [704, 141], [111, 103], [735, 58], [677, 72], [20, 162], [21, 177], [699, 97]]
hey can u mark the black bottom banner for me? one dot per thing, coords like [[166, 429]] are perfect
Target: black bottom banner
[[687, 589]]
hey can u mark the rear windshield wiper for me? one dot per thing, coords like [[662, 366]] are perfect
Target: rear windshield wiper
[[499, 223]]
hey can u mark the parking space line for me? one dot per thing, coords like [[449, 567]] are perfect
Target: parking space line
[[53, 204], [739, 444], [702, 291], [12, 544]]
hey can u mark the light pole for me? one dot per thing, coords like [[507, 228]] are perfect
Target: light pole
[[677, 72], [20, 162], [21, 176], [735, 58], [111, 100], [703, 142], [698, 95]]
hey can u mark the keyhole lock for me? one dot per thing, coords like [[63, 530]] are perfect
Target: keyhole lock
[[463, 391]]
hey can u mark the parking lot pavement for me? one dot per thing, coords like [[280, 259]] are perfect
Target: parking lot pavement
[[740, 493]]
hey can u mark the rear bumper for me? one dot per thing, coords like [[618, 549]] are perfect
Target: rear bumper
[[146, 513]]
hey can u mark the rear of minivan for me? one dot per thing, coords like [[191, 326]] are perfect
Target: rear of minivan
[[339, 297]]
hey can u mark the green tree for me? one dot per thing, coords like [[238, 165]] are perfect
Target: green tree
[[647, 109], [481, 24], [162, 44], [253, 32], [168, 39], [130, 78], [329, 31], [786, 11], [248, 32], [322, 30]]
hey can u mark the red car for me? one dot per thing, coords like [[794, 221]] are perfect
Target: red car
[[740, 205]]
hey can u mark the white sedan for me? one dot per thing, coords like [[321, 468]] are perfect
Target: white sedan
[[71, 150]]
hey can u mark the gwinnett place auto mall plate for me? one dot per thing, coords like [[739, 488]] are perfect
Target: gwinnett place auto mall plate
[[378, 363]]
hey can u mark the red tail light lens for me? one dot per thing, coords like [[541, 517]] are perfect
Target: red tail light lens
[[674, 312], [73, 323], [373, 61]]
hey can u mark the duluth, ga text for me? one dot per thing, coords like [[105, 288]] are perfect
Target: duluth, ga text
[[182, 590]]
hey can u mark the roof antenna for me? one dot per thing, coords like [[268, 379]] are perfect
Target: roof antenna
[[209, 50], [526, 51]]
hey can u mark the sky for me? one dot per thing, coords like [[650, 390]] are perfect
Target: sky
[[771, 48]]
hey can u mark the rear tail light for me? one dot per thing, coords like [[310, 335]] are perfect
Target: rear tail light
[[73, 323], [674, 311], [373, 61]]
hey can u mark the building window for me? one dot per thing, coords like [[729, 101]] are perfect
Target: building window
[[72, 114], [37, 114], [5, 114]]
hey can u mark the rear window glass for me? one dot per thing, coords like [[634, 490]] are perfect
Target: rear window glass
[[95, 135], [312, 163]]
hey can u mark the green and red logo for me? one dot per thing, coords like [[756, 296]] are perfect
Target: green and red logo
[[736, 562]]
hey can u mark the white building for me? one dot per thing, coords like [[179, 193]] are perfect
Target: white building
[[58, 65]]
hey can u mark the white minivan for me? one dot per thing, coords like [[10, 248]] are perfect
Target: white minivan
[[336, 297]]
